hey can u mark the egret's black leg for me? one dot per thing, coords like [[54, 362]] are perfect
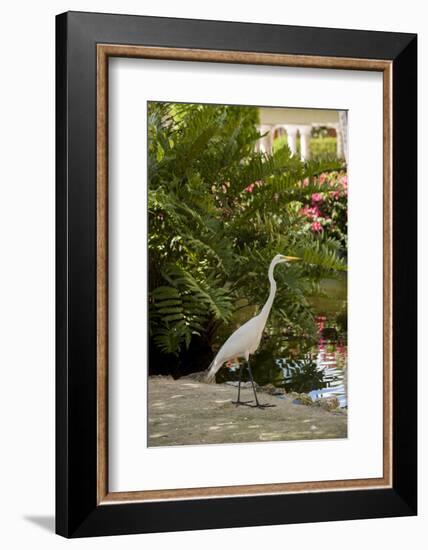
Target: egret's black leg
[[252, 383], [238, 401], [255, 393], [239, 383]]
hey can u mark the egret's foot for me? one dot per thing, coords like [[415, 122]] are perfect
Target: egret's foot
[[246, 403], [263, 406]]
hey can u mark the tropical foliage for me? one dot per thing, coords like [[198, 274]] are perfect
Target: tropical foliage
[[218, 212]]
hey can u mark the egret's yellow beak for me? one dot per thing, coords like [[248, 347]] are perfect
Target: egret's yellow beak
[[291, 258]]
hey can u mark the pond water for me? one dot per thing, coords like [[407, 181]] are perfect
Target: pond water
[[330, 360]]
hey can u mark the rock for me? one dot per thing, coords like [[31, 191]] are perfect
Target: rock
[[196, 376], [272, 390], [303, 399], [328, 403], [214, 405]]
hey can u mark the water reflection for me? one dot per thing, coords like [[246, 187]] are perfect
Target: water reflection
[[331, 361], [321, 374]]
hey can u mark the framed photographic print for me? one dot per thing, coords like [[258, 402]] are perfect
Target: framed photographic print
[[236, 274]]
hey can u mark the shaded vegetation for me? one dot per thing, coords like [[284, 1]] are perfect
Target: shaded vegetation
[[218, 213]]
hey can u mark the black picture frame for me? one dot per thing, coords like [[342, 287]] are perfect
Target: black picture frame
[[78, 513]]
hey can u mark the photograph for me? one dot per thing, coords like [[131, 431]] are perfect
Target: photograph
[[247, 273]]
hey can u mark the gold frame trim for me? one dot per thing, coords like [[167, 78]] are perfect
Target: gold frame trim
[[104, 51]]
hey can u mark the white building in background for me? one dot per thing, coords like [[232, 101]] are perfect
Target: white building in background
[[300, 122]]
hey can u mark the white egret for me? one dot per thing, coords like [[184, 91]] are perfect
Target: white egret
[[246, 339]]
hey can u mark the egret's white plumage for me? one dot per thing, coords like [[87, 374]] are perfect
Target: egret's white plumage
[[246, 339]]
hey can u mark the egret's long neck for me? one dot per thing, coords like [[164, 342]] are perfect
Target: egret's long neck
[[267, 307]]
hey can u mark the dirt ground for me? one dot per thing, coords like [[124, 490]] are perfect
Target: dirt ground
[[189, 412]]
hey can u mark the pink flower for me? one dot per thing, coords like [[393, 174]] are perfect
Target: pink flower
[[344, 180], [250, 188], [316, 227], [323, 177], [317, 197], [310, 212], [335, 194]]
